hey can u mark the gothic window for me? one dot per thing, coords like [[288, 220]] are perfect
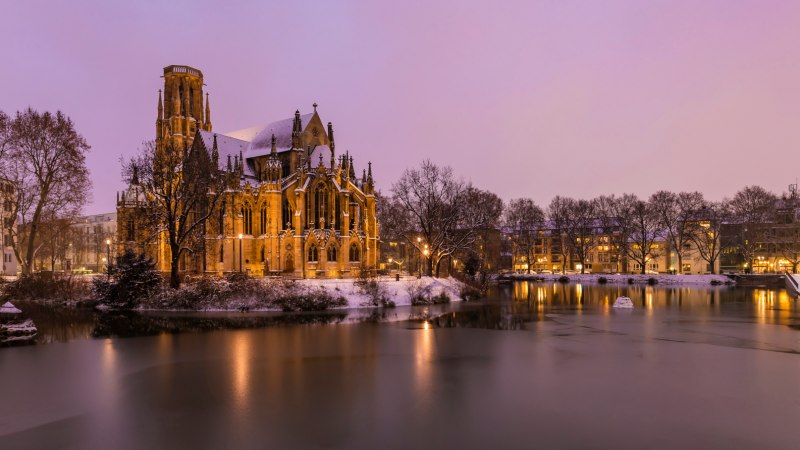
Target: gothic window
[[262, 254], [264, 219], [286, 215], [313, 254], [309, 218], [355, 253], [222, 252], [321, 205], [131, 229], [247, 217], [338, 212], [332, 253]]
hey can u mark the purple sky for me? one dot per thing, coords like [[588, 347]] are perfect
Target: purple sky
[[522, 98]]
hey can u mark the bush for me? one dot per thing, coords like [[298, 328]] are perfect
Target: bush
[[630, 280], [716, 282], [469, 293], [377, 292], [47, 286], [423, 295], [652, 281], [602, 280], [563, 279], [134, 279]]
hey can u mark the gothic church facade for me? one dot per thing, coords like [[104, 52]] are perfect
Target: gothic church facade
[[294, 208]]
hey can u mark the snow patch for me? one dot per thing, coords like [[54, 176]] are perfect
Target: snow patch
[[623, 302]]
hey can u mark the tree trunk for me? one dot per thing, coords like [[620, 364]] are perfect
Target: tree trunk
[[174, 272], [680, 264]]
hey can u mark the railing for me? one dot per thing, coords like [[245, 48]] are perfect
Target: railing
[[183, 69]]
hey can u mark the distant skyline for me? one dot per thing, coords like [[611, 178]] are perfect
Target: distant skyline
[[526, 99]]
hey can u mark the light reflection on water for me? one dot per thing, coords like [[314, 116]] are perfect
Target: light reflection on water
[[574, 372]]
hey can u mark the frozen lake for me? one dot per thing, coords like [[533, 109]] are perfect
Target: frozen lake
[[535, 365]]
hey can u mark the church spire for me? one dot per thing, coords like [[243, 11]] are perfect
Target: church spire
[[160, 107], [297, 128], [215, 153], [274, 148], [208, 114]]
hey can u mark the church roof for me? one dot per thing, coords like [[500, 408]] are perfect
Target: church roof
[[226, 146], [260, 137]]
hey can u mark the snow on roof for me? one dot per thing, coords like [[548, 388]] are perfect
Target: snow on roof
[[260, 137], [9, 308], [226, 145]]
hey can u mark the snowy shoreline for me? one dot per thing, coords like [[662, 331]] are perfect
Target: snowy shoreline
[[398, 291], [665, 279]]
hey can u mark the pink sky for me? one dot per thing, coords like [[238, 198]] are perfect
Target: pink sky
[[531, 99]]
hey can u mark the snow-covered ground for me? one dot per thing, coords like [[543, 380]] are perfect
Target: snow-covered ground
[[623, 278], [399, 291]]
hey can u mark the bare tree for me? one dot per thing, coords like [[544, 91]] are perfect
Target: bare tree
[[55, 238], [182, 188], [705, 231], [480, 215], [580, 230], [558, 214], [441, 211], [524, 220], [752, 208], [45, 161], [674, 213], [642, 230]]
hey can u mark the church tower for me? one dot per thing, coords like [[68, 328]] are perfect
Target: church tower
[[181, 111]]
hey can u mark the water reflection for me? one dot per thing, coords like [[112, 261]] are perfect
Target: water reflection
[[508, 307]]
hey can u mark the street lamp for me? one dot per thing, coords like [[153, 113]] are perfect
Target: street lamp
[[240, 252], [426, 252], [108, 247]]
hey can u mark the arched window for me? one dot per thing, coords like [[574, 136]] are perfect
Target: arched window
[[222, 252], [286, 215], [247, 217], [332, 253], [355, 253], [264, 219], [321, 202], [263, 254], [313, 254]]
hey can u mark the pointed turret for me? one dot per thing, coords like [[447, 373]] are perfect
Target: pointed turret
[[215, 153], [297, 128], [229, 163], [208, 114], [160, 107], [274, 148]]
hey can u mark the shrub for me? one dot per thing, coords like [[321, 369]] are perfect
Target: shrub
[[423, 295], [135, 279], [310, 300], [630, 280], [652, 281], [563, 279], [602, 280], [716, 282], [469, 293], [47, 286], [377, 292]]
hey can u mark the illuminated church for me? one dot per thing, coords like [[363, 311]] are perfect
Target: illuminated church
[[297, 209]]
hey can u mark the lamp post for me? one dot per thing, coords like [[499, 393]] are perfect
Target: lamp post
[[419, 256], [108, 259], [426, 252], [240, 252]]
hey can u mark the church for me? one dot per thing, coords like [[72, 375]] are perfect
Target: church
[[295, 208]]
